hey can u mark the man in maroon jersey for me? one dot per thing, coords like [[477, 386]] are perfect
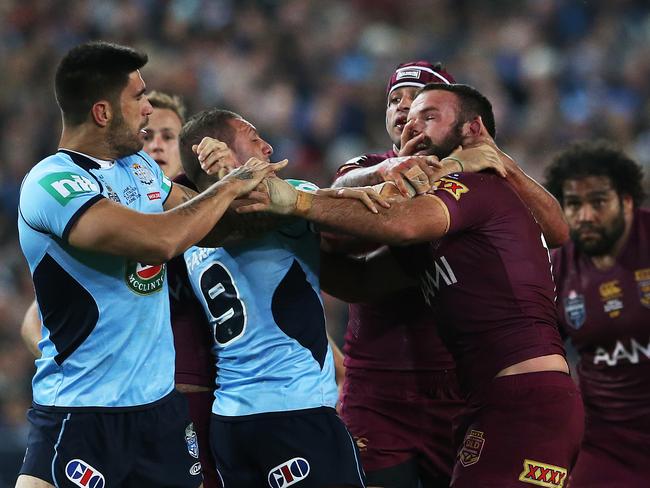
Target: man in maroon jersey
[[394, 355], [400, 392], [603, 288], [484, 269]]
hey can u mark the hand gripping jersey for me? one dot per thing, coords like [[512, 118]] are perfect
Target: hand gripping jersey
[[262, 299], [607, 316], [106, 340]]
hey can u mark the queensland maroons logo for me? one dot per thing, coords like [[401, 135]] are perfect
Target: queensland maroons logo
[[145, 279]]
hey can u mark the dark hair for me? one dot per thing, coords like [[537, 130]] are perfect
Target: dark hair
[[163, 100], [208, 123], [90, 72], [596, 158], [472, 103]]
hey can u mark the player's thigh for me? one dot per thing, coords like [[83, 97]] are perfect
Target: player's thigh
[[27, 481]]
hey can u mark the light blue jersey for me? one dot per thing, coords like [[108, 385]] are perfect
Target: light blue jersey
[[107, 340], [262, 299]]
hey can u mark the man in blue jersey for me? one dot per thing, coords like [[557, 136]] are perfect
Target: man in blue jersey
[[273, 421], [96, 225]]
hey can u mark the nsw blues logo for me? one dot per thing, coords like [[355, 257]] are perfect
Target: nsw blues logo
[[83, 474], [575, 311], [289, 473], [191, 440], [143, 174]]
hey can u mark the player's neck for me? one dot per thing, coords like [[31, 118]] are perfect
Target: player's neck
[[607, 261], [87, 140]]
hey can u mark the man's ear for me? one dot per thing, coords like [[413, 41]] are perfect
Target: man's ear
[[102, 113], [472, 128]]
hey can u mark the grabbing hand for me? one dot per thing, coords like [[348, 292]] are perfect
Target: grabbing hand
[[411, 174], [477, 158], [250, 175], [214, 156]]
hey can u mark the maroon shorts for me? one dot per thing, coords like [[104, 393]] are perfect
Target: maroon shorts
[[200, 406], [525, 430], [396, 417], [612, 456]]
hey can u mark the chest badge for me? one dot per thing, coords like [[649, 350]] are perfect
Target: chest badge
[[145, 175], [575, 311], [611, 294]]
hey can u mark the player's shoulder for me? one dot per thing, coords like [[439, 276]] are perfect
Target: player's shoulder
[[56, 167]]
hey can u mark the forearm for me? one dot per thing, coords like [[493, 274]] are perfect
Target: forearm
[[359, 177], [544, 207], [30, 330]]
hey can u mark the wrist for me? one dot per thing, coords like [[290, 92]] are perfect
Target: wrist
[[304, 203], [455, 161]]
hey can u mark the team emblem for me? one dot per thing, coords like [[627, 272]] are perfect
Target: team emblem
[[112, 194], [83, 474], [540, 474], [642, 277], [143, 174], [289, 473], [144, 279], [473, 444], [191, 441], [575, 311], [195, 469], [612, 295], [453, 187]]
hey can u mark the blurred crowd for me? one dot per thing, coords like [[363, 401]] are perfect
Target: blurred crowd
[[311, 74]]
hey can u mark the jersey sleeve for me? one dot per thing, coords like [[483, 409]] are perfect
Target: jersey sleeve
[[469, 197], [54, 196], [164, 182]]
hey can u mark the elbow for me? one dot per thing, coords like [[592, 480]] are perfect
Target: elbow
[[160, 252], [404, 233], [558, 236]]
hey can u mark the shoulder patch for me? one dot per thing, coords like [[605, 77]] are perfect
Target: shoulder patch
[[65, 186], [453, 187]]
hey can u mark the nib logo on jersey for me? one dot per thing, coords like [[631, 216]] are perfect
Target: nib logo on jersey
[[83, 474], [66, 186], [145, 279], [289, 473]]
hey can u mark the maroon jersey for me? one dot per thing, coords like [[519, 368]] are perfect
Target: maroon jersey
[[195, 364], [489, 279], [607, 316], [397, 333]]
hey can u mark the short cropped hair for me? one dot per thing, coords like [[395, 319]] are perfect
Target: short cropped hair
[[208, 123], [163, 100], [472, 103], [596, 158], [91, 72]]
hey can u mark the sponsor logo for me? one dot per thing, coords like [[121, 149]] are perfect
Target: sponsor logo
[[632, 353], [131, 194], [430, 280], [642, 277], [83, 474], [540, 474], [362, 443], [409, 73], [289, 473], [302, 185], [143, 174], [473, 444], [66, 186], [144, 279], [154, 195], [453, 187], [191, 441], [575, 311], [195, 469], [611, 293]]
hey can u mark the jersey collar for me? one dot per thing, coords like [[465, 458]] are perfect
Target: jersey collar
[[87, 162]]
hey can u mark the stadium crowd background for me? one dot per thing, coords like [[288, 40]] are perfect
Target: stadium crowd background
[[311, 74]]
